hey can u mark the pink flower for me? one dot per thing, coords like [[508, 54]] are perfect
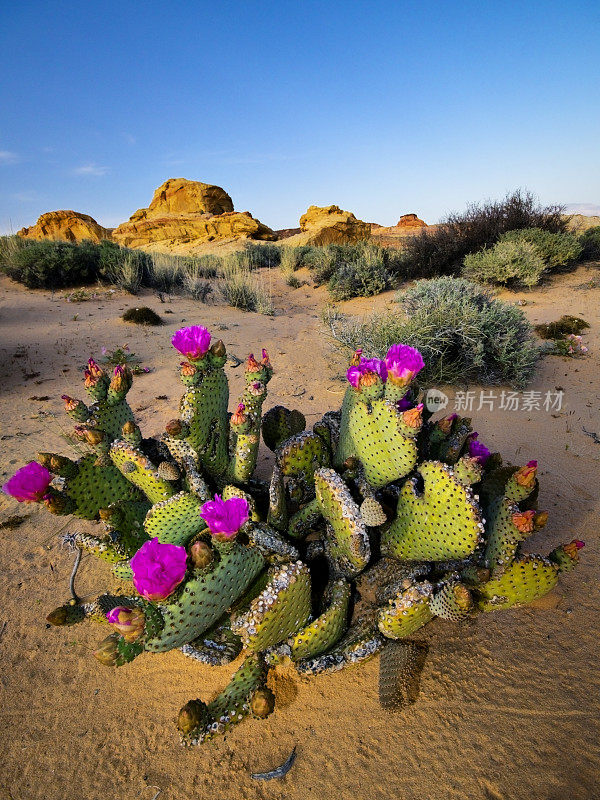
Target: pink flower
[[129, 622], [28, 484], [192, 342], [225, 517], [367, 366], [403, 362], [158, 569], [477, 449]]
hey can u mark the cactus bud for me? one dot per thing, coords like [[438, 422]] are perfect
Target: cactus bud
[[256, 389], [445, 424], [57, 503], [218, 349], [188, 370], [523, 521], [540, 519], [238, 417], [129, 428], [93, 436], [526, 475], [355, 360], [262, 703], [414, 416], [265, 359], [174, 427], [58, 617], [191, 716], [201, 555], [108, 652], [252, 364], [121, 380], [129, 622]]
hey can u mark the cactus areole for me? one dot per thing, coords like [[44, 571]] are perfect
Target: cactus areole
[[220, 564]]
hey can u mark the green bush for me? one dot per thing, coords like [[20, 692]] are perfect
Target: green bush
[[463, 333], [590, 243], [241, 290], [441, 251], [49, 264], [141, 316], [556, 249], [358, 279], [510, 263]]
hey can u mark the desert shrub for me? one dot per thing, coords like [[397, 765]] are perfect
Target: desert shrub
[[590, 244], [510, 262], [441, 251], [561, 327], [465, 335], [241, 289], [262, 255], [50, 264], [194, 279], [358, 279], [141, 316], [557, 249]]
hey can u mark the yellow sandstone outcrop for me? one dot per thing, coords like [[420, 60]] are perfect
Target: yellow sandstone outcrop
[[327, 225], [68, 226], [184, 214]]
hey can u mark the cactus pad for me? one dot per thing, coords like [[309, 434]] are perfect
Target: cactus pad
[[279, 611], [441, 523], [326, 630], [524, 580]]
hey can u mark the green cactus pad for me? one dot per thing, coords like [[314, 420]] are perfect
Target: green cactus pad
[[302, 454], [204, 409], [384, 445], [524, 580], [139, 470], [233, 704], [453, 602], [95, 487], [279, 423], [442, 523], [205, 597], [175, 520], [110, 418], [361, 642], [279, 611], [345, 446], [347, 542], [216, 647], [322, 634], [407, 612]]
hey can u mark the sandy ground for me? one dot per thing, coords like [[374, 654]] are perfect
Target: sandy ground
[[509, 705]]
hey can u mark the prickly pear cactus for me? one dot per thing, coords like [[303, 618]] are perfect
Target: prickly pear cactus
[[375, 522]]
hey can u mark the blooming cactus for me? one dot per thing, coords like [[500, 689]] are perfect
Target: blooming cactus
[[403, 363], [225, 517], [192, 342], [158, 569], [29, 484], [365, 369]]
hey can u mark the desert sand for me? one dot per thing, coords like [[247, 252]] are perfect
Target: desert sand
[[509, 705]]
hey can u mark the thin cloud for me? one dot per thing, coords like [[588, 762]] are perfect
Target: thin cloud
[[8, 157], [90, 169]]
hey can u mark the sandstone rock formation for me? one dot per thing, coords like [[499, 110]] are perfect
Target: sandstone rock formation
[[578, 223], [410, 221], [327, 225], [180, 196], [185, 214], [180, 232], [68, 226]]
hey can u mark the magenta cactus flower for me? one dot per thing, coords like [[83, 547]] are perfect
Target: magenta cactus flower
[[225, 517], [403, 363], [158, 568], [192, 342], [477, 449], [29, 484], [367, 366]]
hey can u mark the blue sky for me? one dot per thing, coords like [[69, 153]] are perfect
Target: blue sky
[[383, 108]]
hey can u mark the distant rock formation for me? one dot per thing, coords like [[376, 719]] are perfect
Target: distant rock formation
[[184, 214], [68, 226], [410, 221], [328, 225]]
